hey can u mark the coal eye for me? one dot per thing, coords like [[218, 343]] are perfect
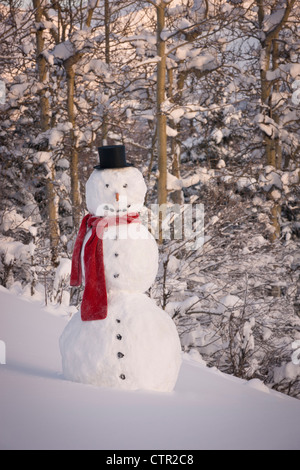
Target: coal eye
[[125, 185], [107, 185]]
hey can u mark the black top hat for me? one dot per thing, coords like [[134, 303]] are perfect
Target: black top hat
[[112, 156]]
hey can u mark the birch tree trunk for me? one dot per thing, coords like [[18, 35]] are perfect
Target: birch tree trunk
[[161, 118], [74, 160], [275, 153], [175, 196], [70, 67], [269, 61], [45, 125], [107, 30], [107, 61]]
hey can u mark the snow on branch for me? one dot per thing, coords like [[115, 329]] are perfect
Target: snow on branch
[[296, 94], [267, 125]]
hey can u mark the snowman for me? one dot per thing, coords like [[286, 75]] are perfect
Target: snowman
[[120, 338]]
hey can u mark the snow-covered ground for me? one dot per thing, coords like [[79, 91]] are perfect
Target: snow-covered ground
[[207, 410]]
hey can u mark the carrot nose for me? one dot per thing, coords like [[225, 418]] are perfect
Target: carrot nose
[[117, 197]]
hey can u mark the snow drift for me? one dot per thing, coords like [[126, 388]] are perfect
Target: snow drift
[[207, 410]]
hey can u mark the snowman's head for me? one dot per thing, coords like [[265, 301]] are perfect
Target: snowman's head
[[115, 191]]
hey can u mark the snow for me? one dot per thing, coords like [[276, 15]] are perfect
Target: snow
[[63, 50], [17, 91], [64, 126], [44, 25], [176, 114], [228, 305], [171, 132], [245, 182], [203, 62], [248, 334], [259, 240], [290, 371], [296, 93], [11, 220], [273, 20], [97, 66], [173, 183], [276, 195], [62, 272], [49, 57], [281, 72], [273, 179], [63, 163], [42, 157], [55, 137], [184, 23], [214, 220], [258, 385], [290, 178], [294, 70], [2, 92], [257, 201], [202, 176], [296, 354], [183, 51], [13, 250], [217, 136], [173, 264], [27, 48], [207, 410], [221, 164], [183, 306], [267, 124], [92, 3]]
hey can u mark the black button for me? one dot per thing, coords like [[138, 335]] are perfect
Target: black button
[[122, 376], [120, 355], [119, 337], [118, 321], [116, 255], [116, 275]]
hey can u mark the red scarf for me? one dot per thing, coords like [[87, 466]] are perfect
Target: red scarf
[[94, 302]]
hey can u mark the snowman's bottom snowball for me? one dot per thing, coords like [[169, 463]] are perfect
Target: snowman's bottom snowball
[[135, 347]]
